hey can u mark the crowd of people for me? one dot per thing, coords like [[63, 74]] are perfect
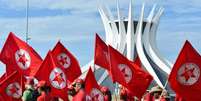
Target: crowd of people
[[39, 92], [76, 92]]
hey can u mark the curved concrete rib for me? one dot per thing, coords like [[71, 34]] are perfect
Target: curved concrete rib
[[148, 48], [122, 31], [109, 25], [103, 77], [105, 20], [130, 34], [140, 51], [153, 38], [86, 67]]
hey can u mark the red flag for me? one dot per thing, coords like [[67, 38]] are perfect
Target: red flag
[[3, 77], [137, 62], [66, 61], [18, 55], [92, 88], [185, 77], [101, 56], [54, 76], [10, 88], [127, 74]]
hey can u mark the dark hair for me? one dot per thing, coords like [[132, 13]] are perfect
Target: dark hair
[[72, 92], [48, 89], [123, 97], [42, 88], [109, 95], [82, 85]]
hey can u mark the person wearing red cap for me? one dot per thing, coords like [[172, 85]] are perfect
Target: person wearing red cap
[[71, 90], [29, 89], [44, 91], [107, 94], [79, 89]]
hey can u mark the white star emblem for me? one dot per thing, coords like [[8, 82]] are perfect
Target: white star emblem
[[58, 78], [22, 59], [64, 60], [14, 90], [188, 74], [126, 72], [96, 95]]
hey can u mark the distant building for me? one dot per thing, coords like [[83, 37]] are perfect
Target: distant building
[[134, 38]]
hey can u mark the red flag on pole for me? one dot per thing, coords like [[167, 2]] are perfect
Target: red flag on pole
[[101, 56], [54, 76], [11, 87], [18, 55], [127, 74], [92, 88], [66, 61], [185, 77]]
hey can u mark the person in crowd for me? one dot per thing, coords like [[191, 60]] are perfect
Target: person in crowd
[[125, 94], [80, 94], [71, 90], [157, 94], [29, 90], [154, 94], [44, 91], [165, 96], [107, 93]]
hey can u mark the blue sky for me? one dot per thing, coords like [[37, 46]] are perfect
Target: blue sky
[[74, 22]]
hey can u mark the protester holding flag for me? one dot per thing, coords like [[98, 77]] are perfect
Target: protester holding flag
[[29, 90], [79, 89], [43, 91], [71, 90], [165, 96], [154, 94], [107, 93]]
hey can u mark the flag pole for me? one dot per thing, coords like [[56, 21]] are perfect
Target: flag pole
[[164, 86], [27, 22], [116, 91]]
